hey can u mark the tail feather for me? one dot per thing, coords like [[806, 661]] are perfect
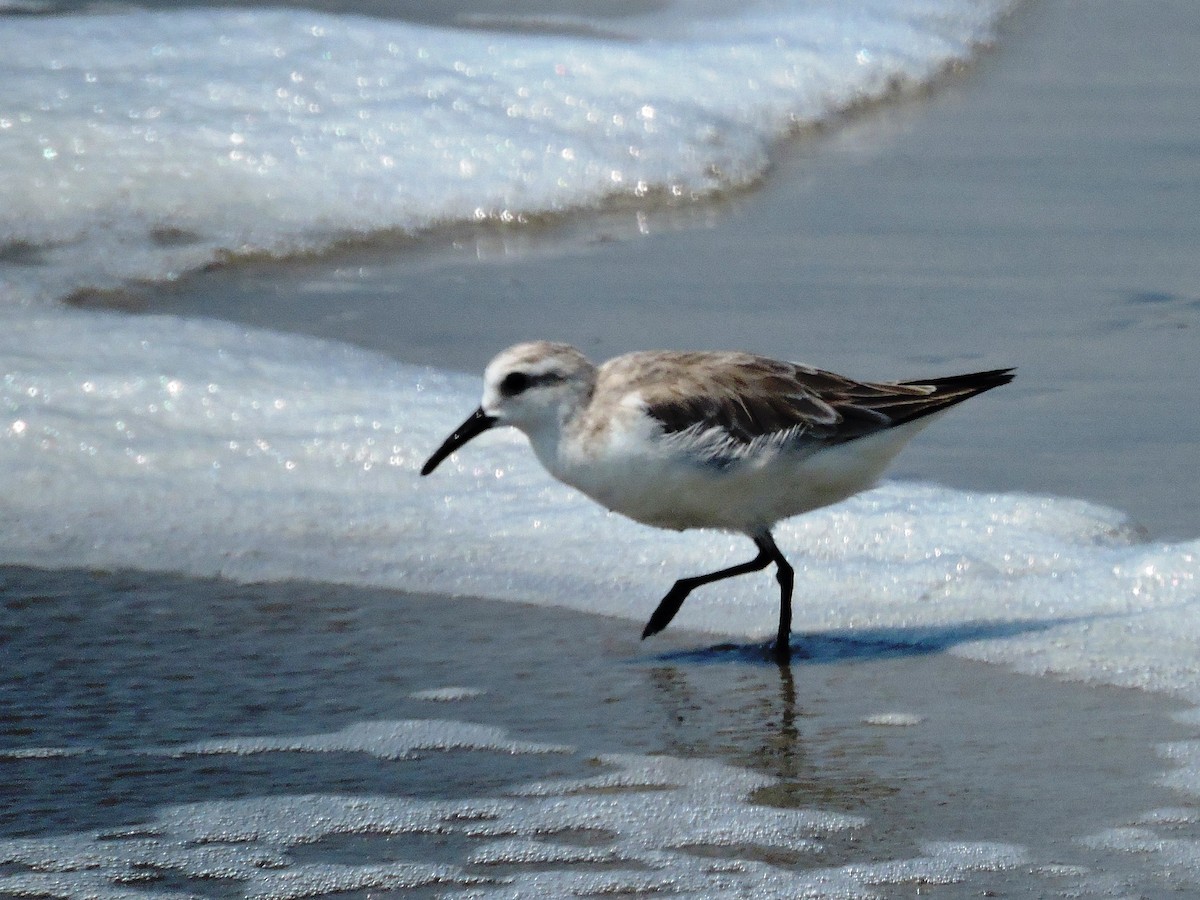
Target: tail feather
[[949, 390], [975, 382]]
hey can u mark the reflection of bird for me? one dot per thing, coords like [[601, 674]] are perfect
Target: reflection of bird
[[707, 440]]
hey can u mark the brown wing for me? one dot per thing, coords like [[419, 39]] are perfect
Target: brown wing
[[752, 398]]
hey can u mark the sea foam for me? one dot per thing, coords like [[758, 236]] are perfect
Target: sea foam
[[141, 145], [647, 817]]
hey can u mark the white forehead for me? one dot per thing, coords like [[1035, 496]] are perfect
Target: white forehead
[[536, 358]]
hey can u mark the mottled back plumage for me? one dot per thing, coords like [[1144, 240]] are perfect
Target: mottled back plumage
[[752, 399]]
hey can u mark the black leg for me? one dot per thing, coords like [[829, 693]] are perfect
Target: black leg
[[786, 576], [767, 553]]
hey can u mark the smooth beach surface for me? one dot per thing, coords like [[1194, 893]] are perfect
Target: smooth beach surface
[[247, 651]]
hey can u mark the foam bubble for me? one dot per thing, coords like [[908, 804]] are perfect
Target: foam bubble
[[40, 752], [386, 740], [1180, 856], [525, 852], [895, 719], [942, 862], [1185, 776], [448, 694], [1173, 815], [329, 878]]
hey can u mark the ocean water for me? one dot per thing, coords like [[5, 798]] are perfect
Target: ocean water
[[174, 486]]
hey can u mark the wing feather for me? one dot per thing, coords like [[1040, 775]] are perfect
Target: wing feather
[[727, 404]]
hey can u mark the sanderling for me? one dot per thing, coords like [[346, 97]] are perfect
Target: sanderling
[[729, 441]]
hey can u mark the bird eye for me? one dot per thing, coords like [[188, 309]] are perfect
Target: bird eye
[[514, 383]]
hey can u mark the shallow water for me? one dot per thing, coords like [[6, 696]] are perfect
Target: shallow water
[[143, 711]]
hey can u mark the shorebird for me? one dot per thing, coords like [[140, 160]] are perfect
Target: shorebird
[[728, 441]]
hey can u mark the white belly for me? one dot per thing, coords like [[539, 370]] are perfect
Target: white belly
[[678, 491]]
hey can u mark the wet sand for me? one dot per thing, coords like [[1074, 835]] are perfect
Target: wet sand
[[924, 746]]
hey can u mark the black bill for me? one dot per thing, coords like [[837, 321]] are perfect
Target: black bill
[[476, 424]]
